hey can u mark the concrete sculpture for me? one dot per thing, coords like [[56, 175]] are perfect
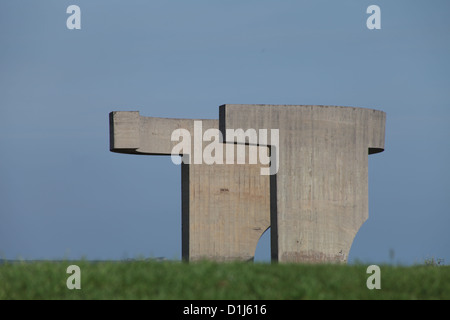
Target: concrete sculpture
[[315, 203]]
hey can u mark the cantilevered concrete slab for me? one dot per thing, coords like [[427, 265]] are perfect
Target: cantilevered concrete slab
[[225, 207], [321, 186]]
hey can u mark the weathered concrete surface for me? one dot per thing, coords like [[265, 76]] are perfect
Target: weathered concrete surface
[[315, 204], [225, 207], [322, 184]]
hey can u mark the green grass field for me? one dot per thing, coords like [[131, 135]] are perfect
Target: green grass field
[[207, 280]]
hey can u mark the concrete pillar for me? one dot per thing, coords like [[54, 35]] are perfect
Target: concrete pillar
[[225, 208], [321, 188]]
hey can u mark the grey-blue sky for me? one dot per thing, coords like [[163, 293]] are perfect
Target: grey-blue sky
[[63, 194]]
